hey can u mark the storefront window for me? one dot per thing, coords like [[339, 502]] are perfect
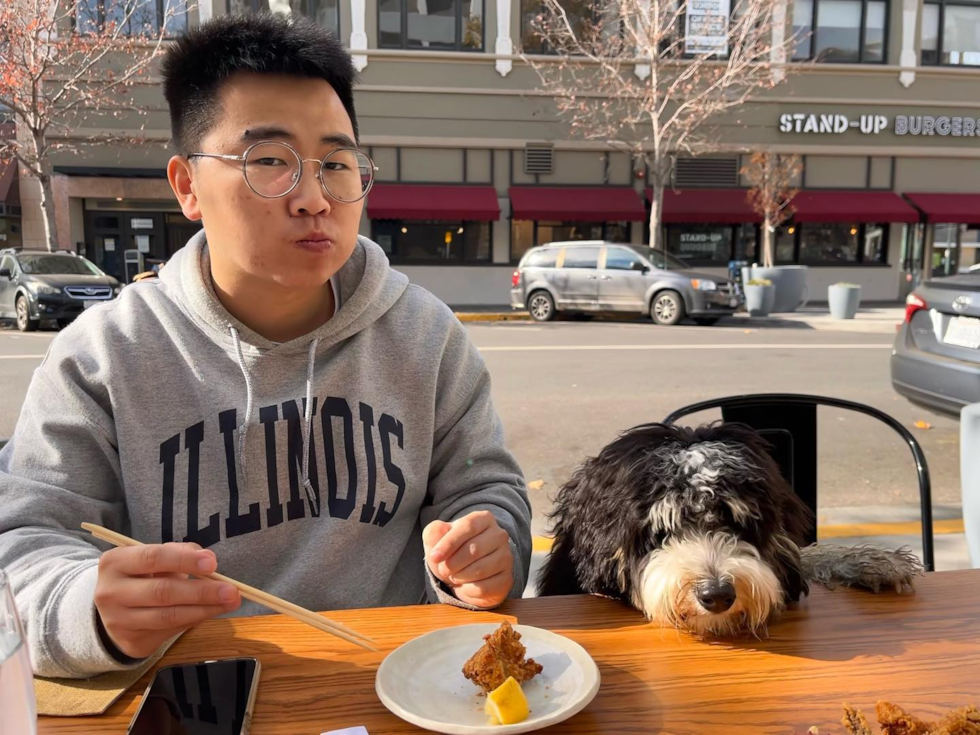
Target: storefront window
[[840, 31], [874, 243], [951, 33], [441, 25], [325, 12], [526, 234], [434, 242], [700, 244], [969, 248], [828, 244], [136, 17], [785, 245]]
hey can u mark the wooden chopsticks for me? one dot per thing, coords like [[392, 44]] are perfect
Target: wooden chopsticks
[[255, 595]]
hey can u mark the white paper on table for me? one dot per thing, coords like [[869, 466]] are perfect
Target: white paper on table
[[348, 731]]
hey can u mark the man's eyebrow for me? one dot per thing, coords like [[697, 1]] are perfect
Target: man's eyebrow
[[254, 135]]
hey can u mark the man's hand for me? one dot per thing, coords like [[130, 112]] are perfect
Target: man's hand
[[472, 555], [144, 597]]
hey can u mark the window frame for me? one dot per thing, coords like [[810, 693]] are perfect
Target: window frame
[[160, 12], [941, 32], [460, 34], [862, 42], [858, 263], [396, 260], [606, 226], [732, 250], [255, 7]]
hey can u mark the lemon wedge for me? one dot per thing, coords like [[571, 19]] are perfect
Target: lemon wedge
[[507, 704]]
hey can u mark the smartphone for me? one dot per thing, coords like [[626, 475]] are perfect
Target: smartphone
[[206, 698]]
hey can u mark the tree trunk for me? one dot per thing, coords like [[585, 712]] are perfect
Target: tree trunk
[[656, 216], [768, 259], [47, 211]]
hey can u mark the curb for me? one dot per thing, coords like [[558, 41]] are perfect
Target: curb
[[854, 530], [498, 316]]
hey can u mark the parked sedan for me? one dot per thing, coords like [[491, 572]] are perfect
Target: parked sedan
[[936, 359], [596, 276], [36, 285]]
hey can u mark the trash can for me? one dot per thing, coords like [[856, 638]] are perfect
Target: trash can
[[970, 478]]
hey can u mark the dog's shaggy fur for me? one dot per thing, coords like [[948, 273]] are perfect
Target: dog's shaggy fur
[[697, 529]]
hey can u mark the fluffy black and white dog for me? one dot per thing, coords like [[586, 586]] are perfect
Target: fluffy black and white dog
[[697, 529]]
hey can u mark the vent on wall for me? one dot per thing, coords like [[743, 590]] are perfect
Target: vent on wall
[[705, 173], [539, 159]]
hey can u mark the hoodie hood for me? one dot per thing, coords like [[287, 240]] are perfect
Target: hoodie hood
[[369, 286]]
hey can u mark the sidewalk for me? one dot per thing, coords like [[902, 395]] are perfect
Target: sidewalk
[[883, 526], [873, 320]]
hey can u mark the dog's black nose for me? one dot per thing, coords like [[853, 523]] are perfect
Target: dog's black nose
[[716, 596]]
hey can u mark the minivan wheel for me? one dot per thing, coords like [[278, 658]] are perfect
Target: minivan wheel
[[667, 308], [24, 321], [541, 306]]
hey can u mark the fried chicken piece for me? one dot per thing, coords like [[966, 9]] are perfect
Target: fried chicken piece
[[854, 721], [963, 721], [501, 656], [896, 721]]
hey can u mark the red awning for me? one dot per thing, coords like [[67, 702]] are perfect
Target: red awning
[[954, 208], [710, 206], [577, 204], [410, 201], [8, 181], [852, 206]]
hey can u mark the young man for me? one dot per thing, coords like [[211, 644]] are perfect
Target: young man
[[279, 404]]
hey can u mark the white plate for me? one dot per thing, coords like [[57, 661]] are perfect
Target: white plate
[[422, 682]]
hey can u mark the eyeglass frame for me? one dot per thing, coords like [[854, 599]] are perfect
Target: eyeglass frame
[[243, 158]]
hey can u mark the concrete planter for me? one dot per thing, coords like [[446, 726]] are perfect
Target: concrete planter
[[789, 282], [759, 300], [844, 300]]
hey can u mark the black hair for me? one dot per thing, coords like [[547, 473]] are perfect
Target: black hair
[[197, 64]]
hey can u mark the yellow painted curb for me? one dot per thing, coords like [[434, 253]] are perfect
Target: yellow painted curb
[[901, 528], [475, 316]]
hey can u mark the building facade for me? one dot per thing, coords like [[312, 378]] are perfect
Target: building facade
[[475, 168]]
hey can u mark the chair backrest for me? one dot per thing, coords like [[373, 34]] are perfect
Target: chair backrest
[[789, 422]]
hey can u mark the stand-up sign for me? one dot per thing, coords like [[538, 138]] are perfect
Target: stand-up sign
[[707, 27]]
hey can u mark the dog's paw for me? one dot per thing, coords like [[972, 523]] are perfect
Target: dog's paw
[[863, 566]]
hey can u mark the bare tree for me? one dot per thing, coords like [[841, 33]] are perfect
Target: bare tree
[[773, 178], [65, 64], [655, 78]]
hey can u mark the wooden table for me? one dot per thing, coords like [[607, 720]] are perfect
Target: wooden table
[[921, 651]]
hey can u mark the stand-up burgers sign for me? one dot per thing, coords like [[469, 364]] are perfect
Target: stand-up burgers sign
[[835, 124]]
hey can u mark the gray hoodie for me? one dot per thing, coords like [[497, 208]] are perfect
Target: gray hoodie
[[161, 416]]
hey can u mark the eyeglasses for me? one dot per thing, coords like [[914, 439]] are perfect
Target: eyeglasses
[[272, 170]]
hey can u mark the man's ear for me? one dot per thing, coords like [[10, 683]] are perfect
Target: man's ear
[[180, 173]]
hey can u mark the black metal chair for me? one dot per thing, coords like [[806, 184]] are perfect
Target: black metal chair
[[788, 421]]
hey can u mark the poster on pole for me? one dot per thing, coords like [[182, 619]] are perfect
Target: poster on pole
[[707, 27]]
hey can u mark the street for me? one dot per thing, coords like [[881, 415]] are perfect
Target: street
[[565, 389]]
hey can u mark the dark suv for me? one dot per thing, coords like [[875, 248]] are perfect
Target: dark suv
[[37, 284]]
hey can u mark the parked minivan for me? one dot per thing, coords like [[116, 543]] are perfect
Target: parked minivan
[[595, 276]]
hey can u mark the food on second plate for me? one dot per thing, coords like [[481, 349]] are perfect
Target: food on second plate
[[507, 704], [896, 721], [501, 656]]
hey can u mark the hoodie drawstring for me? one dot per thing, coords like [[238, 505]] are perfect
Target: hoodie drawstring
[[308, 427], [243, 426], [307, 416]]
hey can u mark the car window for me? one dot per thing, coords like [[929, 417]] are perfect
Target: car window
[[52, 265], [542, 259], [621, 259], [8, 263], [581, 257]]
